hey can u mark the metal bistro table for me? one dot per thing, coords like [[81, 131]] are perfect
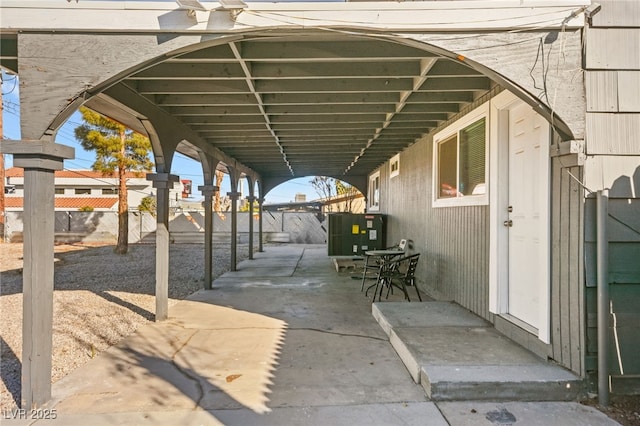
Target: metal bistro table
[[385, 256]]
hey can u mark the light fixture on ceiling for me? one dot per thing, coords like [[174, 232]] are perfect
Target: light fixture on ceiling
[[191, 6]]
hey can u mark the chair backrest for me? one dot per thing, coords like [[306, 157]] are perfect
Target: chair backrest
[[412, 265], [398, 264]]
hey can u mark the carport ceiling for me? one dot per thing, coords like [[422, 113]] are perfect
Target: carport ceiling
[[305, 106]]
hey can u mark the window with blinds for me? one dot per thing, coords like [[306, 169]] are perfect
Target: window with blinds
[[461, 162], [374, 191], [471, 180]]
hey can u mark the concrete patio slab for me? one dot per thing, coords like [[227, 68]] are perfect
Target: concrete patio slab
[[423, 314], [266, 350], [286, 352], [456, 356]]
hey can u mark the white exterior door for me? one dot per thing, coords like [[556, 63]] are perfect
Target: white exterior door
[[528, 219]]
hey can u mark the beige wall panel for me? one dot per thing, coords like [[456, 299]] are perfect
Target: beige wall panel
[[615, 134], [617, 13], [602, 91], [629, 91], [613, 48]]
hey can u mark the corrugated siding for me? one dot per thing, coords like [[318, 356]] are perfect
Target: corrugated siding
[[612, 49], [567, 296], [613, 134], [612, 79], [629, 91], [454, 241], [613, 91], [617, 13], [602, 91]]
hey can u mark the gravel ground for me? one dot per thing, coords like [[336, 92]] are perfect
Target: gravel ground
[[99, 298]]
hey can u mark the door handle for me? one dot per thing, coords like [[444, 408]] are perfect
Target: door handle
[[508, 223]]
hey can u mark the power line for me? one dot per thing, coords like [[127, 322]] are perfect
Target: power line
[[15, 84]]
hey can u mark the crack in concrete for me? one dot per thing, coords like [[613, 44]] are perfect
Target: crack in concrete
[[298, 263], [339, 334], [186, 373]]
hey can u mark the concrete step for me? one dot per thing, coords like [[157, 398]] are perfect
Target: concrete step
[[455, 355]]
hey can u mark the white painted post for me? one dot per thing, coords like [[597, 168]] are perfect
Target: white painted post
[[39, 159], [163, 182], [208, 191], [234, 227], [251, 199], [260, 202]]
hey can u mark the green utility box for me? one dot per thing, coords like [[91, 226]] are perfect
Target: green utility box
[[353, 234]]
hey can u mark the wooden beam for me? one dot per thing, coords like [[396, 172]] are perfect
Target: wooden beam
[[189, 71], [333, 85], [204, 99], [187, 86], [329, 98]]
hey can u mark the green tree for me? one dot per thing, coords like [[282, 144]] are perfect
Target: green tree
[[148, 204], [324, 186], [119, 151], [349, 192], [329, 189]]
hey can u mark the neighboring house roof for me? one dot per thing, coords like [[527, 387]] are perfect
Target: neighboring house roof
[[18, 172], [342, 198], [68, 202]]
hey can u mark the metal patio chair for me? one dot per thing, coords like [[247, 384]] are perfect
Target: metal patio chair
[[371, 269], [399, 273]]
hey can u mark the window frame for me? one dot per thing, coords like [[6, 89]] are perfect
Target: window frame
[[395, 160], [372, 196], [446, 134]]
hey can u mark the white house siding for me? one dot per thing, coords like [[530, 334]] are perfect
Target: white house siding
[[612, 79]]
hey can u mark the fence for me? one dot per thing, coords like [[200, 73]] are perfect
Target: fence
[[186, 227]]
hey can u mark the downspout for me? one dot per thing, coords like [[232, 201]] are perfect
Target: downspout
[[602, 260]]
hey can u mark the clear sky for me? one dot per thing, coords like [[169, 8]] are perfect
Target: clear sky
[[183, 166]]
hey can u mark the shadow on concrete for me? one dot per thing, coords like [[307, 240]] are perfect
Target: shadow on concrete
[[206, 357], [10, 370], [112, 278]]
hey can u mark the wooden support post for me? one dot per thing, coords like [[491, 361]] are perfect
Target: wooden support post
[[163, 182], [260, 202], [234, 227], [39, 159], [251, 199], [208, 191]]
